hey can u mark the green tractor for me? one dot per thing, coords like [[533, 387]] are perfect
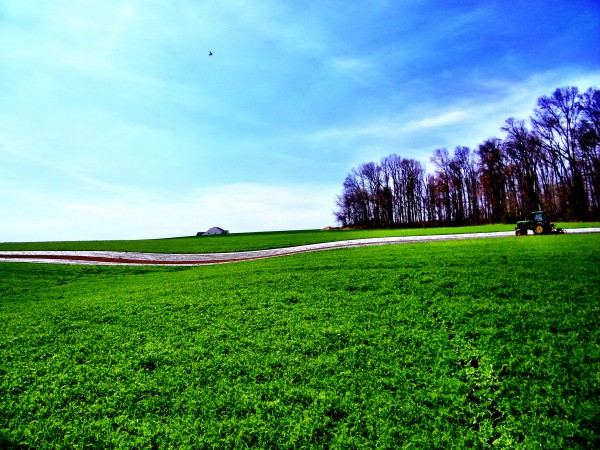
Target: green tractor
[[539, 223]]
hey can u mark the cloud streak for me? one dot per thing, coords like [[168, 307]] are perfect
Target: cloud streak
[[504, 99], [138, 214]]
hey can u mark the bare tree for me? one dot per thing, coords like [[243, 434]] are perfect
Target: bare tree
[[493, 178], [555, 121], [589, 146], [523, 153], [441, 159]]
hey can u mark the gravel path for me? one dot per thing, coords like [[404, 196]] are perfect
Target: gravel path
[[170, 259]]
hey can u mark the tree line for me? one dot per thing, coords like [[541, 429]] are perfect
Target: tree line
[[552, 164]]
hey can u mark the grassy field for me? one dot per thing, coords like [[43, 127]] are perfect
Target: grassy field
[[458, 344], [255, 241]]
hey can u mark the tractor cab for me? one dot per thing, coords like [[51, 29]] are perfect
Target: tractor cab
[[538, 216]]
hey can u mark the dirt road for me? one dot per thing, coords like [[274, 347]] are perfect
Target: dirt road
[[173, 259]]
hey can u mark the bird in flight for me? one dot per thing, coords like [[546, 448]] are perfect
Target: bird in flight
[[209, 53]]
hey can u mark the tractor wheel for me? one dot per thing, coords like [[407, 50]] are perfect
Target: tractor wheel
[[538, 229], [518, 232]]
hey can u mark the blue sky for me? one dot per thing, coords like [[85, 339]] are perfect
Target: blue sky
[[116, 124]]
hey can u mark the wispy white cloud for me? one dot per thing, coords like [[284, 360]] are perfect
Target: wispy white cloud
[[473, 117], [137, 214], [389, 127], [358, 69], [443, 119]]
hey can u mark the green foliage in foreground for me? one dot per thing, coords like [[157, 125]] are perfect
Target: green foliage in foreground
[[460, 344], [255, 241]]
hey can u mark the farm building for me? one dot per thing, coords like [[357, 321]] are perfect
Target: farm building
[[213, 230]]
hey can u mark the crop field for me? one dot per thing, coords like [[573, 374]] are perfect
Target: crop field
[[453, 344], [256, 241]]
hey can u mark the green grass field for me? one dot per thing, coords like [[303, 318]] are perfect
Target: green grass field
[[255, 241], [457, 344]]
